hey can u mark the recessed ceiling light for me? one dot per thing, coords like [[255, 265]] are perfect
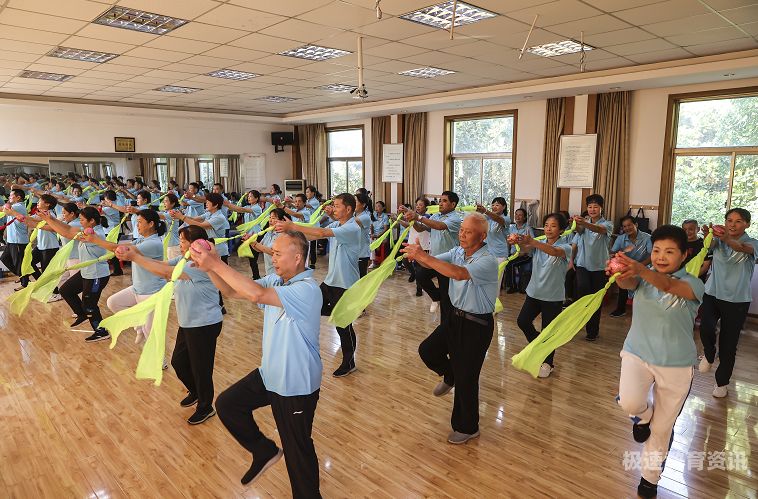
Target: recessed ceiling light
[[41, 75], [427, 72], [336, 87], [441, 15], [558, 48], [314, 53], [231, 74], [81, 55], [177, 90], [139, 20], [275, 98]]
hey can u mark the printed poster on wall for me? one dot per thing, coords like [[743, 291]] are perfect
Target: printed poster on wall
[[392, 163], [576, 166]]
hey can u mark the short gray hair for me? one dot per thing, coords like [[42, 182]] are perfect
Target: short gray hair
[[299, 241], [479, 219]]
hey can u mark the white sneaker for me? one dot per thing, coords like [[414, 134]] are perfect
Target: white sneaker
[[704, 365], [545, 370], [165, 363], [720, 391], [138, 337], [74, 316], [434, 307], [56, 297]]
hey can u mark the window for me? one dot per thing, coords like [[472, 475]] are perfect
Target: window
[[345, 159], [715, 159], [206, 172], [108, 167], [480, 157], [161, 167]]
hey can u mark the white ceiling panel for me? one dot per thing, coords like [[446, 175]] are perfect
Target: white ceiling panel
[[30, 34], [725, 46], [139, 62], [183, 9], [290, 8], [654, 45], [686, 25], [743, 15], [557, 12], [265, 43], [232, 16], [660, 56], [394, 28], [394, 50], [72, 9], [157, 54], [348, 40], [101, 32], [25, 47], [704, 37], [44, 22], [339, 14], [80, 42], [207, 33], [661, 11], [236, 53], [439, 39], [19, 56], [628, 35], [302, 31], [181, 45]]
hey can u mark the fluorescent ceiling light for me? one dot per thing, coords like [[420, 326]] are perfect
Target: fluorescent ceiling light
[[558, 48], [231, 74], [314, 53], [276, 99], [81, 55], [139, 20], [41, 75], [177, 90], [441, 15], [337, 87], [427, 72]]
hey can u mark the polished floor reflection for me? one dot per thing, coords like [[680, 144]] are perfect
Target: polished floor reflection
[[76, 423]]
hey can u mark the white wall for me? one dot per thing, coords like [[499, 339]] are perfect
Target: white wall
[[65, 128], [530, 141]]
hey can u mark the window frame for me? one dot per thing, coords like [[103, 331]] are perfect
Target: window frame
[[449, 157], [200, 171], [362, 158], [162, 162], [671, 152]]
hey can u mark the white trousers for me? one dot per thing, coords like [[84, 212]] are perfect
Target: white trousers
[[128, 298], [670, 386]]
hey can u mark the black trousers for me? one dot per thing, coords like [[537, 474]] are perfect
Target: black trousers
[[193, 358], [424, 278], [530, 310], [518, 267], [622, 299], [12, 257], [456, 350], [41, 257], [348, 339], [587, 283], [570, 284], [90, 289], [732, 317], [313, 252], [294, 421], [363, 266], [254, 264], [224, 259]]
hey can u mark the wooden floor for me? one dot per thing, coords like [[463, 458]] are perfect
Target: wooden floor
[[76, 423]]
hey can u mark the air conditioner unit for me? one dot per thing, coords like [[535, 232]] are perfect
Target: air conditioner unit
[[292, 187]]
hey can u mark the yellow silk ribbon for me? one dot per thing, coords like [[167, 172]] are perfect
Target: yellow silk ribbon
[[693, 266], [26, 263], [244, 250]]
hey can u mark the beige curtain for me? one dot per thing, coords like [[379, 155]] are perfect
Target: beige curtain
[[149, 171], [233, 180], [556, 112], [312, 144], [181, 172], [379, 127], [216, 173], [612, 173], [414, 156]]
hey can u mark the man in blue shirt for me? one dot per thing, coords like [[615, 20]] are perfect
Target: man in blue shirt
[[590, 244], [344, 250], [16, 236], [443, 227], [637, 246], [456, 348], [290, 374]]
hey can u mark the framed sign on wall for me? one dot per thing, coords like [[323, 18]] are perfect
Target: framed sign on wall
[[124, 144]]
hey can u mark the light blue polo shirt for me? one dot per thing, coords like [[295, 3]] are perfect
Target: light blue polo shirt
[[496, 237], [549, 273], [306, 211], [75, 250], [313, 203], [661, 332], [34, 185], [380, 223], [47, 240], [478, 294], [249, 217], [135, 232], [268, 241], [521, 231], [642, 247], [291, 362], [196, 298], [145, 282], [172, 228], [112, 215], [344, 251], [219, 226], [194, 208], [592, 247], [732, 271], [91, 251], [365, 218], [16, 232], [442, 241]]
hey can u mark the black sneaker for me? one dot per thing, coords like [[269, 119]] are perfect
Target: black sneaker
[[419, 292], [100, 334], [511, 291], [260, 465], [202, 415], [646, 489], [343, 371], [618, 313], [411, 278], [590, 338], [223, 310], [189, 400], [79, 320], [641, 432]]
